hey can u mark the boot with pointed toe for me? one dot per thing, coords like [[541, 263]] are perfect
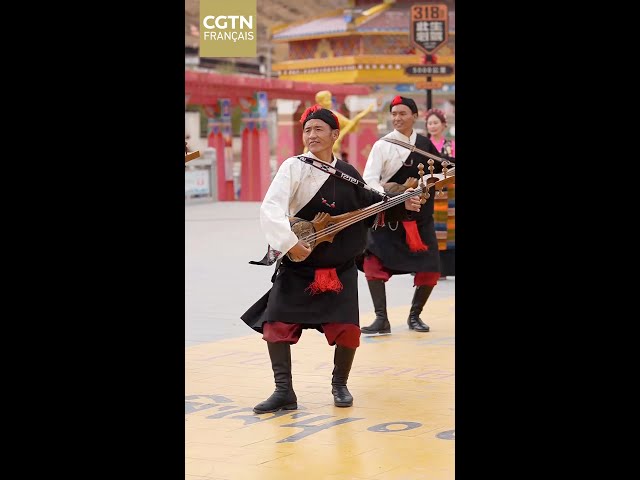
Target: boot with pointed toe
[[420, 297], [342, 359], [283, 398], [378, 294]]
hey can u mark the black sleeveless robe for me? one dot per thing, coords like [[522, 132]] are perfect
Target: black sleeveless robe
[[289, 299], [389, 243]]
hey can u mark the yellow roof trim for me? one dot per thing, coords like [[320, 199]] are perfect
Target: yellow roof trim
[[364, 77], [372, 11], [358, 60]]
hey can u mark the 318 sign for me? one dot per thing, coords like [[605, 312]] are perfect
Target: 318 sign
[[429, 26]]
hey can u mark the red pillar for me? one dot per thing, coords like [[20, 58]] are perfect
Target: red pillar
[[256, 170], [216, 140], [265, 160], [225, 191], [220, 139], [246, 171], [361, 141]]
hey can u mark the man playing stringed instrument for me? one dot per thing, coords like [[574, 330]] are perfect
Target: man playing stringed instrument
[[315, 284], [408, 246]]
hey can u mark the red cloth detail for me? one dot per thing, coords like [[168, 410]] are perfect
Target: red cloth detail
[[326, 280], [343, 334], [317, 107], [373, 269], [347, 335], [280, 332], [380, 221], [309, 110], [413, 236], [397, 100], [426, 278]]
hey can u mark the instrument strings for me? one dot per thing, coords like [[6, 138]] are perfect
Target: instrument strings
[[366, 212]]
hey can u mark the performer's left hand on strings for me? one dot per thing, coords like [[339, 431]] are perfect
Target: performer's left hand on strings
[[412, 203]]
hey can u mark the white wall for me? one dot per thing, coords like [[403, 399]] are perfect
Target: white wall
[[192, 128]]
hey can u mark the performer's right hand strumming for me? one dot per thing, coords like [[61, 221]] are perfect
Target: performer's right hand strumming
[[299, 251]]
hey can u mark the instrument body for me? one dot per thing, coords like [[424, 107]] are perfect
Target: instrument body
[[305, 228]]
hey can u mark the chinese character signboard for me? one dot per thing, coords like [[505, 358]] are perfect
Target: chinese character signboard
[[429, 26], [428, 69]]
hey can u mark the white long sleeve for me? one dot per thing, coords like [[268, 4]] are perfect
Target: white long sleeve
[[293, 186], [385, 159], [373, 167]]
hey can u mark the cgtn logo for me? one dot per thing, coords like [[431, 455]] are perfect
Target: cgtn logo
[[228, 27], [229, 31]]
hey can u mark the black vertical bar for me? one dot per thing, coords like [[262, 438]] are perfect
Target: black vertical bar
[[428, 61]]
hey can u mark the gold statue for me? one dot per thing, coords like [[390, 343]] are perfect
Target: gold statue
[[347, 125]]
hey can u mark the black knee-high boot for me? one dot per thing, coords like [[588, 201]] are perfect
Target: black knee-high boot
[[283, 397], [420, 297], [342, 359], [378, 295]]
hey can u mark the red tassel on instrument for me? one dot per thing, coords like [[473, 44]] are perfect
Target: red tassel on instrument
[[326, 279], [380, 219], [413, 236]]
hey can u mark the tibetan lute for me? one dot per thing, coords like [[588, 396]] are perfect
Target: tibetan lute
[[324, 227]]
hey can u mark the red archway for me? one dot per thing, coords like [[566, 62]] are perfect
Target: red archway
[[206, 88]]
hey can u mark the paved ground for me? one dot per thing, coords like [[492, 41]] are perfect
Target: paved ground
[[402, 423]]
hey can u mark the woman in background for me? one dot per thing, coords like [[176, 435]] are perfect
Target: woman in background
[[444, 213]]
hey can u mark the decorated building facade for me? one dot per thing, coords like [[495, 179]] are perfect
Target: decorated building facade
[[368, 43]]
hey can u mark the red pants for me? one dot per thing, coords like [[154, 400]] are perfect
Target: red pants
[[374, 270], [345, 335]]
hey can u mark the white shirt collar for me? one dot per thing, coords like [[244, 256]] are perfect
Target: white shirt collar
[[311, 155], [400, 136]]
